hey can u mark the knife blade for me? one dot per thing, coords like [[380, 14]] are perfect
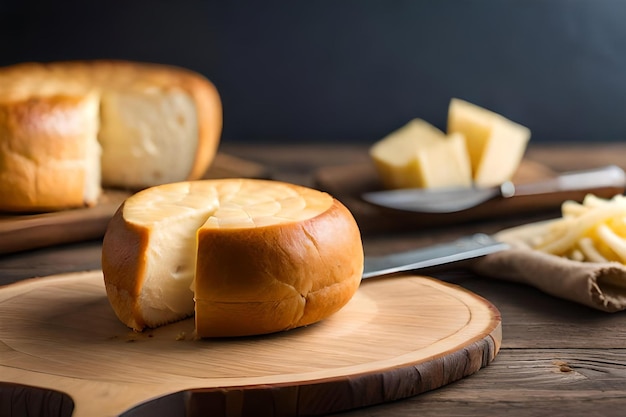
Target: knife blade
[[465, 248], [453, 199]]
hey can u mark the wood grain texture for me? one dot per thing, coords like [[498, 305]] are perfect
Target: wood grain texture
[[348, 182], [399, 337], [528, 382], [31, 231]]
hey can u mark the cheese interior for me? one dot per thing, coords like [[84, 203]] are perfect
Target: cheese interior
[[173, 214], [137, 131], [495, 144], [93, 150], [420, 155]]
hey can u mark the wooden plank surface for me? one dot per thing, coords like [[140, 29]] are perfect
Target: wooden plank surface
[[398, 337], [526, 383], [30, 231]]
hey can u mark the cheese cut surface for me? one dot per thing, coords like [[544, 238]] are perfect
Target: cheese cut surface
[[420, 155], [138, 132], [148, 124], [245, 256], [496, 145]]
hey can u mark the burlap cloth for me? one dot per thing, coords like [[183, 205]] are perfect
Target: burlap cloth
[[598, 285]]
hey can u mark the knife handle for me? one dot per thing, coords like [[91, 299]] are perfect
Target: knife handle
[[610, 179]]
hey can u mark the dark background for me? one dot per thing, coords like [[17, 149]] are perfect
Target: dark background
[[355, 70]]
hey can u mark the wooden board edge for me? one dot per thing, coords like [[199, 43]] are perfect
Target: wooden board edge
[[324, 397]]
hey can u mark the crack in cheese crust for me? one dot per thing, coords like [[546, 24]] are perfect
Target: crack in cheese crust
[[246, 256], [85, 124]]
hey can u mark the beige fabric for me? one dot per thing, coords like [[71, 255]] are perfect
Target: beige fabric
[[598, 285]]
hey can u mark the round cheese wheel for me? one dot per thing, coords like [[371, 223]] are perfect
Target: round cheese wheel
[[245, 256], [69, 128]]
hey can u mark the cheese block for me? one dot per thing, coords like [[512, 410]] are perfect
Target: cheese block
[[420, 155], [496, 145], [245, 256], [68, 128]]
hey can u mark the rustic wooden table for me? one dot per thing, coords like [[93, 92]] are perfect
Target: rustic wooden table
[[557, 358]]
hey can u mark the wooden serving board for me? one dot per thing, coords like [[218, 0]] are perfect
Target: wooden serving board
[[398, 337], [348, 182], [31, 231]]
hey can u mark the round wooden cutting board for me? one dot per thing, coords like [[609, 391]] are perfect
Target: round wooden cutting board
[[399, 336]]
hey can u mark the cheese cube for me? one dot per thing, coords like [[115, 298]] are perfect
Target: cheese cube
[[496, 145], [419, 155]]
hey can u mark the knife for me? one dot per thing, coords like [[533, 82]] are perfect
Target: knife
[[452, 199], [465, 248]]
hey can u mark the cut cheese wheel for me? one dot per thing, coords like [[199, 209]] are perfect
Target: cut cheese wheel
[[246, 256], [496, 145], [83, 125], [420, 155]]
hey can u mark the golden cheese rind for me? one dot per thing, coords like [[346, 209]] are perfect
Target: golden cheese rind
[[277, 277], [44, 153]]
